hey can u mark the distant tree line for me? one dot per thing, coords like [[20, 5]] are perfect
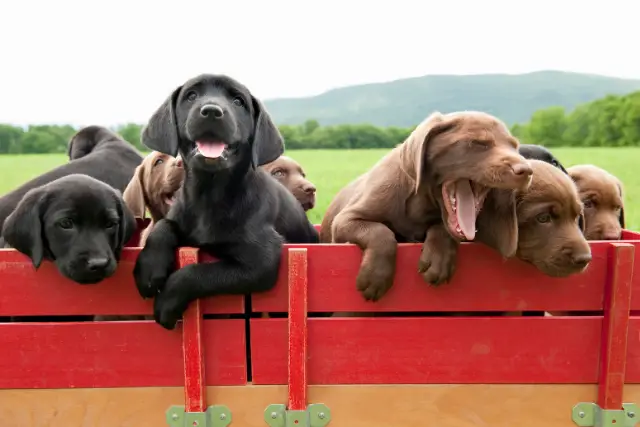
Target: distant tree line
[[613, 121]]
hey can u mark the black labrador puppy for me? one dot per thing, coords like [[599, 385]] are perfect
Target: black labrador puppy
[[79, 223], [97, 152], [227, 205], [538, 152]]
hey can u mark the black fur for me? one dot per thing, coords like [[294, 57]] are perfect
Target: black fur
[[97, 152], [79, 223], [227, 205], [538, 152]]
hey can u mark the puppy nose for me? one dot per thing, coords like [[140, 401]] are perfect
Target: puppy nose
[[582, 259], [178, 162], [522, 169], [611, 235], [215, 110], [99, 263], [310, 189]]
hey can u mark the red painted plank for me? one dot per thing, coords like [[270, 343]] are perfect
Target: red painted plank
[[449, 350], [615, 327], [46, 292], [192, 344], [114, 354], [297, 322], [483, 282]]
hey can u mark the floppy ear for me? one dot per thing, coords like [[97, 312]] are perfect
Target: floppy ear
[[134, 193], [497, 222], [161, 132], [422, 135], [126, 227], [621, 216], [267, 143], [22, 230]]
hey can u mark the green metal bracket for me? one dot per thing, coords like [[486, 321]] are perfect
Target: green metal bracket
[[214, 416], [316, 415], [588, 414]]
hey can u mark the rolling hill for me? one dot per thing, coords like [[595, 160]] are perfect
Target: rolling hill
[[406, 102]]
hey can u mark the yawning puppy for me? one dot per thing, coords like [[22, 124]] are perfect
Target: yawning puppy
[[227, 206]]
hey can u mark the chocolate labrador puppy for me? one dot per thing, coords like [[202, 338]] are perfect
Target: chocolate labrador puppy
[[601, 193], [227, 205], [290, 174], [538, 152], [77, 222], [153, 187], [111, 160], [428, 189]]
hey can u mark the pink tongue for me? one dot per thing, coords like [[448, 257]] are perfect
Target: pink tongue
[[211, 149], [466, 208]]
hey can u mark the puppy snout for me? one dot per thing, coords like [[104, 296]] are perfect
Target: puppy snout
[[309, 189], [522, 169], [581, 259], [212, 110], [178, 162], [97, 263]]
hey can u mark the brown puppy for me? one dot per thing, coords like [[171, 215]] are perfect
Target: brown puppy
[[428, 189], [601, 193], [291, 175], [153, 187]]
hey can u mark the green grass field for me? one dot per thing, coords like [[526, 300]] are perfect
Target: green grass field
[[330, 170]]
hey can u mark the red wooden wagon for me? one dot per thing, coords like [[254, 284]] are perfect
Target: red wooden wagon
[[225, 364]]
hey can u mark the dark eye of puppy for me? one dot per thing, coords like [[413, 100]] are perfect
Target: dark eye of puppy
[[65, 223], [543, 218], [111, 224], [158, 162], [238, 101], [191, 96], [482, 145], [588, 204], [278, 172]]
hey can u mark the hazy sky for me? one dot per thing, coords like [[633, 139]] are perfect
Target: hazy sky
[[115, 61]]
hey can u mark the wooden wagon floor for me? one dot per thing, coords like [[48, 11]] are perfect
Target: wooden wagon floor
[[351, 406]]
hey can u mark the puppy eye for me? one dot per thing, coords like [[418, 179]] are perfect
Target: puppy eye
[[479, 144], [588, 204], [158, 162], [110, 224], [277, 173], [191, 96], [238, 101], [543, 218], [65, 224]]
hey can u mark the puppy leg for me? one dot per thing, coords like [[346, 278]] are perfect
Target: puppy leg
[[246, 268], [439, 255], [379, 248], [157, 260]]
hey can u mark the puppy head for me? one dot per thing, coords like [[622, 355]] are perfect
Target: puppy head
[[291, 175], [87, 139], [460, 157], [216, 124], [538, 152], [601, 193], [549, 211], [78, 222], [154, 185]]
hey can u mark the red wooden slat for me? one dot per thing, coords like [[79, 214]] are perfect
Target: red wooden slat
[[192, 345], [483, 282], [26, 291], [297, 322], [615, 326], [114, 354], [449, 350]]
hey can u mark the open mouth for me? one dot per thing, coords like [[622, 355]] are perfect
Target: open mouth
[[463, 201], [169, 198], [212, 149]]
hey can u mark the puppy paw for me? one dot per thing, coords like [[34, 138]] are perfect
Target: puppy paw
[[374, 282], [152, 270], [437, 262]]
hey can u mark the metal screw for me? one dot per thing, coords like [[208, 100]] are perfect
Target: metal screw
[[195, 423], [631, 414], [321, 415], [274, 415], [175, 416], [223, 416], [581, 414]]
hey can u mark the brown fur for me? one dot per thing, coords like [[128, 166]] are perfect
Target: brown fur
[[401, 198], [291, 175], [601, 193], [155, 181]]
